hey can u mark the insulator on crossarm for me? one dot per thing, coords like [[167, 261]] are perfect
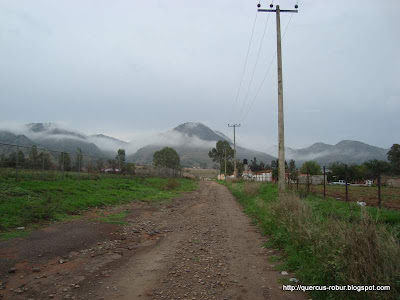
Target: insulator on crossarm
[[271, 5], [296, 6], [258, 5]]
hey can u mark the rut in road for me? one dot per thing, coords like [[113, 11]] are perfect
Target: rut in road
[[212, 251]]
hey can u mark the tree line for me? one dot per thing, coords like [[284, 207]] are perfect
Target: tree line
[[44, 161], [371, 169]]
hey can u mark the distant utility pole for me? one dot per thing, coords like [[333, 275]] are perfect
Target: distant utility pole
[[281, 138], [234, 147], [225, 165]]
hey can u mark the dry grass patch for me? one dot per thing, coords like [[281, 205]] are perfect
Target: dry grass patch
[[355, 251], [252, 188]]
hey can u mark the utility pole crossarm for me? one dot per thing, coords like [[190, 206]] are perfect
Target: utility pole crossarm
[[281, 10]]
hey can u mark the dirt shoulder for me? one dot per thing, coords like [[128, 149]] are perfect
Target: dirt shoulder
[[200, 246]]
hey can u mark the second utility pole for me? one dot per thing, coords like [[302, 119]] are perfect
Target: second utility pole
[[281, 138], [234, 148]]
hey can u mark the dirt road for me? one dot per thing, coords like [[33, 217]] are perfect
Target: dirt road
[[200, 246]]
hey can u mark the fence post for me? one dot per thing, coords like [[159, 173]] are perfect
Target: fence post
[[324, 183], [79, 162], [379, 191], [16, 162], [63, 165], [43, 164], [347, 189]]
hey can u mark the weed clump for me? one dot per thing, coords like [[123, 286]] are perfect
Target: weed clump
[[171, 184], [252, 188], [356, 251]]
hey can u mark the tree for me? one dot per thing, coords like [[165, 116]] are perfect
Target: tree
[[275, 169], [100, 164], [310, 168], [33, 157], [376, 168], [338, 170], [217, 154], [78, 160], [293, 175], [120, 158], [394, 157], [2, 160], [254, 166], [357, 172], [45, 161], [120, 155], [168, 158], [130, 168], [67, 161]]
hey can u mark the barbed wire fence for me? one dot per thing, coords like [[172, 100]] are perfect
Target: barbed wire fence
[[38, 162]]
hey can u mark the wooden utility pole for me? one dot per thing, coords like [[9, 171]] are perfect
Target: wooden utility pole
[[281, 129], [234, 148]]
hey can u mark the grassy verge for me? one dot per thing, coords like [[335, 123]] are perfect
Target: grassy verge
[[328, 242], [29, 201]]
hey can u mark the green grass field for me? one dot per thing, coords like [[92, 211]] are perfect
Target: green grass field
[[31, 200], [327, 242]]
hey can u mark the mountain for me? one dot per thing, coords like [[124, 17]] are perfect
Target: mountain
[[50, 136], [7, 137], [108, 144], [194, 143], [199, 130], [108, 138], [347, 151], [15, 139], [52, 129]]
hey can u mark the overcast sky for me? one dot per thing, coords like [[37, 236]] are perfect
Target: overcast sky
[[127, 67]]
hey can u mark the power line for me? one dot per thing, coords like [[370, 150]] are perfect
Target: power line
[[245, 63], [269, 68], [255, 65]]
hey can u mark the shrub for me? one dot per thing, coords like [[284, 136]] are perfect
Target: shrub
[[172, 184], [355, 251]]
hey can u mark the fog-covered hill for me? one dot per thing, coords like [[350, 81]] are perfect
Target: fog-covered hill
[[347, 151], [194, 143]]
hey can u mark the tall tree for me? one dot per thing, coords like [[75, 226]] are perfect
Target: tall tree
[[254, 166], [292, 170], [310, 168], [168, 158], [78, 160], [217, 154], [33, 156], [338, 170], [121, 155], [64, 157], [120, 158], [45, 161], [394, 157], [100, 164]]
